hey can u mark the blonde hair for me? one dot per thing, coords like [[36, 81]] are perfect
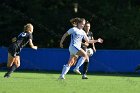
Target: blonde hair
[[28, 27], [75, 21]]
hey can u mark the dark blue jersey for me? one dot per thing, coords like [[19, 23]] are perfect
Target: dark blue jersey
[[19, 42], [90, 37], [23, 39]]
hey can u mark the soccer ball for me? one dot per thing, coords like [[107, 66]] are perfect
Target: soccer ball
[[89, 51]]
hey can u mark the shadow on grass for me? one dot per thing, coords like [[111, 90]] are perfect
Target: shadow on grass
[[126, 74]]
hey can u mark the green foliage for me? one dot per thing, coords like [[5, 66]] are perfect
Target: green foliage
[[116, 21]]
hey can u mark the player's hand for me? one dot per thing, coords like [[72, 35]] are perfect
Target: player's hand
[[35, 47], [100, 40], [61, 45]]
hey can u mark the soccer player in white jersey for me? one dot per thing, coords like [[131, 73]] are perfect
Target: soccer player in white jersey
[[77, 34], [85, 46]]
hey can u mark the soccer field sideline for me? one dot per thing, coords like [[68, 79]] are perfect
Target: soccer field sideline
[[27, 82]]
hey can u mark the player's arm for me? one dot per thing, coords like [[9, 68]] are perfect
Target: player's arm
[[89, 41], [63, 38], [85, 44], [94, 41], [93, 45], [32, 45]]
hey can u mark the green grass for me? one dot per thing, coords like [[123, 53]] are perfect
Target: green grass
[[37, 82]]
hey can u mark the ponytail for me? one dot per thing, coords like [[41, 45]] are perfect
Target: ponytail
[[75, 21]]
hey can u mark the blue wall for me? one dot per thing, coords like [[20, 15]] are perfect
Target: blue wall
[[54, 59]]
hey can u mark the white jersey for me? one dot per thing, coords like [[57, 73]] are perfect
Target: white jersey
[[76, 37]]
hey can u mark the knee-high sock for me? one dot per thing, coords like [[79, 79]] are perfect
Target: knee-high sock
[[85, 67], [12, 69], [65, 70], [80, 62], [4, 64]]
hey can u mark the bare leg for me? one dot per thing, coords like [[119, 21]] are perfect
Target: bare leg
[[84, 57], [12, 65]]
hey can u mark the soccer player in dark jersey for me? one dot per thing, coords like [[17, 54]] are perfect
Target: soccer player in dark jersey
[[15, 48], [86, 46]]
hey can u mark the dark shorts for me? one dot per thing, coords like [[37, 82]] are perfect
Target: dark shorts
[[14, 50], [84, 48]]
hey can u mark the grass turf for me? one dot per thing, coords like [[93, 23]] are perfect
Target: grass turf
[[44, 82]]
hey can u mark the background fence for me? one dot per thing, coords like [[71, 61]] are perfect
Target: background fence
[[55, 58]]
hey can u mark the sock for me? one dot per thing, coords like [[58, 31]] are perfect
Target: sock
[[3, 64], [85, 68], [65, 70], [80, 62], [12, 69]]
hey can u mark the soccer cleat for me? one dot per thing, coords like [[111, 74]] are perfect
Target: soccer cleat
[[61, 77], [6, 75], [84, 77], [76, 71], [137, 68]]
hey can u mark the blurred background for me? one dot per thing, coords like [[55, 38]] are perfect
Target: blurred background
[[116, 21]]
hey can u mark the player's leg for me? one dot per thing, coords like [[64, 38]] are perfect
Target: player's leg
[[78, 65], [75, 60], [84, 57], [17, 61], [74, 52], [13, 64], [85, 66], [66, 67], [11, 60], [89, 52], [11, 51], [85, 69], [72, 60]]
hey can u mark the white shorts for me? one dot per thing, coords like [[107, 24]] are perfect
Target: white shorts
[[73, 50]]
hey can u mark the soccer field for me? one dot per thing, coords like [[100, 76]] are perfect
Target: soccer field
[[44, 82]]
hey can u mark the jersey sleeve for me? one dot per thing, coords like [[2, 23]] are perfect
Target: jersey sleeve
[[91, 34], [85, 37], [30, 36], [70, 31]]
